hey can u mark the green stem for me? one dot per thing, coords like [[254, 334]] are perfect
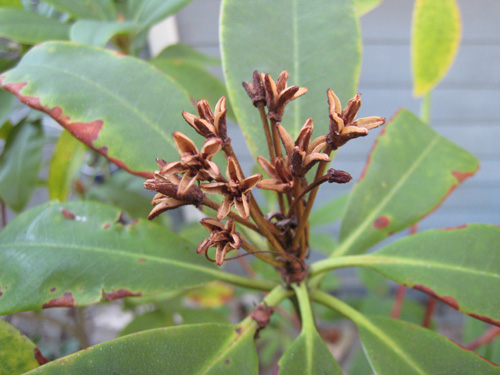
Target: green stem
[[425, 110], [306, 314]]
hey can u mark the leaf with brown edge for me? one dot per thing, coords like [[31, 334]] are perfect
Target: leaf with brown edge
[[409, 173], [458, 266], [120, 106], [79, 253], [18, 353]]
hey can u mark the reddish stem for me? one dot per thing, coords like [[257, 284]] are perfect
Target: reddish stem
[[398, 301], [484, 339], [429, 310]]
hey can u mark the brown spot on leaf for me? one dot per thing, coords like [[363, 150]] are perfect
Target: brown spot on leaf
[[238, 330], [381, 222], [67, 300], [141, 260], [106, 226], [40, 357], [87, 132], [120, 293], [68, 214], [227, 361], [1, 293], [52, 290], [462, 176], [446, 299]]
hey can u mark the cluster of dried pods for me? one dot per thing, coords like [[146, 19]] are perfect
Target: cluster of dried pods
[[189, 180]]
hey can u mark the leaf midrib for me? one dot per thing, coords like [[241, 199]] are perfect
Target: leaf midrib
[[394, 260], [116, 252]]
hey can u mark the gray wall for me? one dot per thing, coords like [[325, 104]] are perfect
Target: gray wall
[[464, 106]]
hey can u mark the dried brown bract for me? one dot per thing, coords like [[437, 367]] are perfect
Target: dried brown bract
[[194, 165], [168, 196], [210, 124], [256, 90], [222, 236], [342, 125], [236, 190], [281, 179], [278, 95], [303, 154]]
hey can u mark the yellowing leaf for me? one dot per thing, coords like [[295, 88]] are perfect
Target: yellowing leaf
[[435, 38]]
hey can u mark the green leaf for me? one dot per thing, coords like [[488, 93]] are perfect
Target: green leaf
[[457, 266], [329, 212], [373, 281], [409, 173], [66, 161], [322, 242], [30, 28], [365, 6], [11, 4], [207, 349], [78, 253], [194, 79], [186, 53], [6, 102], [395, 347], [88, 9], [308, 355], [17, 352], [98, 33], [435, 40], [318, 43], [359, 364], [126, 192], [20, 164], [149, 12], [120, 106], [472, 330]]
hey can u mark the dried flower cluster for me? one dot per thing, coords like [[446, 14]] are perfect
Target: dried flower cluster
[[195, 175]]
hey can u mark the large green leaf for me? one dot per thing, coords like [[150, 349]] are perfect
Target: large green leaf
[[98, 33], [122, 107], [88, 9], [459, 266], [395, 347], [317, 42], [308, 355], [186, 53], [435, 39], [80, 253], [17, 353], [6, 101], [67, 159], [194, 79], [409, 173], [208, 349], [149, 12], [20, 164], [329, 212], [30, 28]]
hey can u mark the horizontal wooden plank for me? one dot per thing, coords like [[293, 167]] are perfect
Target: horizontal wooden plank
[[388, 65]]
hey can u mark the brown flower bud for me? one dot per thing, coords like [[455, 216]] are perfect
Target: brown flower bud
[[338, 176]]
